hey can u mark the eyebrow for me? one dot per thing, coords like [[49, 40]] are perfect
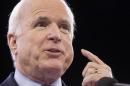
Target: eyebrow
[[46, 19], [64, 22], [41, 19]]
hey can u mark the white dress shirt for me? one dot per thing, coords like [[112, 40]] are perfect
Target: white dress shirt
[[24, 81]]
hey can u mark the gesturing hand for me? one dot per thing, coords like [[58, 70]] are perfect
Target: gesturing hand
[[94, 70]]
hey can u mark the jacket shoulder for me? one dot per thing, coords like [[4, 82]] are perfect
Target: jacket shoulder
[[9, 81]]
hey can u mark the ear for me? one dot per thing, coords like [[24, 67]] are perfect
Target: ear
[[11, 39]]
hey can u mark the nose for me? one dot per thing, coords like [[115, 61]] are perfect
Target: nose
[[54, 34]]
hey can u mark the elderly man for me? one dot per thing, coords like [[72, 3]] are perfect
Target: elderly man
[[40, 39]]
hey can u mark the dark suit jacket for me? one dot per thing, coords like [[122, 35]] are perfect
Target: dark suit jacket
[[10, 81]]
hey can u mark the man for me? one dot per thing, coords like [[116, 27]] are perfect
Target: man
[[40, 39]]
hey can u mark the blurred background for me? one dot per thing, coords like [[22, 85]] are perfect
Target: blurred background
[[102, 27]]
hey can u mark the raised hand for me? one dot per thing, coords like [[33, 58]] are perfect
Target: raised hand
[[94, 70]]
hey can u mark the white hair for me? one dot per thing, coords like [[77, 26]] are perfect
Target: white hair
[[13, 27], [14, 23], [14, 19], [71, 16]]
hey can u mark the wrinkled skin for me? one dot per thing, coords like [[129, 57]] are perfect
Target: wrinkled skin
[[43, 47], [94, 70]]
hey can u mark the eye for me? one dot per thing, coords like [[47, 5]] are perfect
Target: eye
[[64, 28], [41, 24]]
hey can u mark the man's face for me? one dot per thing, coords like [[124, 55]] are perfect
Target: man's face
[[44, 47]]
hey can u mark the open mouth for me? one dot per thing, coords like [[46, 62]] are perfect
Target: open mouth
[[53, 52]]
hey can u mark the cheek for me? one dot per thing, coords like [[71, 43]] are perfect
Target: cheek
[[69, 54], [25, 55], [27, 52]]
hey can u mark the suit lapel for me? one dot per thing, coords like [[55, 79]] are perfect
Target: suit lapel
[[9, 81], [63, 83]]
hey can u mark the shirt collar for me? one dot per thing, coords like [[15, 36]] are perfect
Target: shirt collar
[[24, 81]]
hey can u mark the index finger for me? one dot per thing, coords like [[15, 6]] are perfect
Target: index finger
[[91, 56]]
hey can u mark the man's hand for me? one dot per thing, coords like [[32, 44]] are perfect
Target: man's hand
[[94, 70]]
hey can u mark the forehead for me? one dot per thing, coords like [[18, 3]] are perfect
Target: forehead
[[46, 5], [50, 8]]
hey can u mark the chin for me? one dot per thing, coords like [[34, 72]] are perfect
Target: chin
[[48, 74], [53, 74], [55, 70], [52, 69]]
